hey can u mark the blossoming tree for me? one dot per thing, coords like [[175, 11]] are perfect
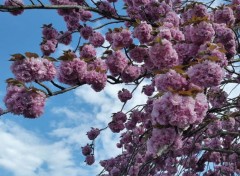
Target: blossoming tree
[[188, 51]]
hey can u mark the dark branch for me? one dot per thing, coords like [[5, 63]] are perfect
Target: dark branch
[[45, 87], [51, 7], [58, 86], [221, 150], [65, 90]]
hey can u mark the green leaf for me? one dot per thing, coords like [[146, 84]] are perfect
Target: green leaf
[[138, 21], [159, 94], [154, 33], [35, 90], [212, 47], [108, 52], [118, 29], [67, 55], [87, 59], [158, 40], [15, 82], [30, 55], [213, 58], [143, 46], [50, 59], [17, 57], [179, 69]]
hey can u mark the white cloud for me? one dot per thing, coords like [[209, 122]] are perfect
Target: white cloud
[[232, 89], [24, 153], [105, 103], [217, 3]]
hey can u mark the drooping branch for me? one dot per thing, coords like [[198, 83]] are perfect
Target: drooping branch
[[79, 41], [50, 93], [4, 112], [40, 3], [32, 2], [45, 87], [112, 22], [63, 7], [58, 86], [65, 90], [116, 81], [221, 150], [133, 92]]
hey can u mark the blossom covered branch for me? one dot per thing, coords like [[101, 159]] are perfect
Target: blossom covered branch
[[186, 51]]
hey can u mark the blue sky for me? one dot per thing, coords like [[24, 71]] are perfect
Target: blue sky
[[50, 145]]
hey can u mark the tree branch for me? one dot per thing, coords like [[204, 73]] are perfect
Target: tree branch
[[65, 90], [112, 22], [58, 86], [45, 87], [51, 7], [221, 150], [4, 112]]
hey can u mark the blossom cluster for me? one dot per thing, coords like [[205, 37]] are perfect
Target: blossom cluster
[[88, 51], [34, 69], [163, 55], [117, 123], [116, 63], [15, 3], [170, 81], [206, 74], [88, 150], [181, 111], [124, 95], [51, 37], [182, 51], [76, 72], [119, 38], [25, 101]]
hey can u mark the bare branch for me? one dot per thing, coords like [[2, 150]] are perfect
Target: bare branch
[[32, 2], [51, 7], [112, 22], [45, 87], [58, 86], [4, 112], [65, 90], [221, 150], [40, 3]]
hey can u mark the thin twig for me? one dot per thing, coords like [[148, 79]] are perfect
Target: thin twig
[[65, 90], [112, 22], [132, 92], [32, 2], [221, 150], [45, 87], [64, 7], [41, 3], [79, 41], [4, 112], [58, 86]]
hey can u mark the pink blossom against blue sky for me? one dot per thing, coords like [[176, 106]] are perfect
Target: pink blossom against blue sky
[[51, 144]]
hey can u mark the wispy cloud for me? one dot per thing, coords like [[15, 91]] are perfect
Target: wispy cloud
[[232, 89], [54, 152], [25, 153], [105, 103], [217, 3]]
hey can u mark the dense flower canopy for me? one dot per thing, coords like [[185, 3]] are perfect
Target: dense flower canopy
[[185, 51]]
